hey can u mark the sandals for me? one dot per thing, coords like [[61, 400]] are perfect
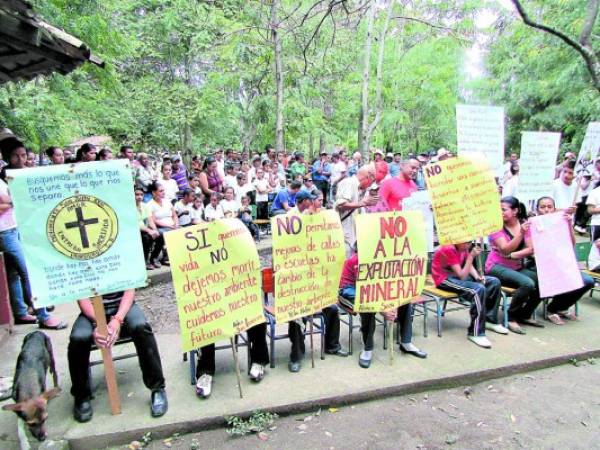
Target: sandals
[[27, 319], [567, 315], [515, 328], [61, 325], [555, 319], [532, 323]]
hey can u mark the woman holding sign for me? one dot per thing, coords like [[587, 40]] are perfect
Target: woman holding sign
[[558, 309], [506, 262]]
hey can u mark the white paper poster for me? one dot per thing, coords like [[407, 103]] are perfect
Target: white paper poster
[[537, 164], [590, 150], [480, 129], [420, 201]]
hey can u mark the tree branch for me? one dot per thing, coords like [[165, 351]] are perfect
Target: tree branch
[[590, 20], [587, 53]]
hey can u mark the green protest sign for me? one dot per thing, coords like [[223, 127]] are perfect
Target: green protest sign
[[79, 230]]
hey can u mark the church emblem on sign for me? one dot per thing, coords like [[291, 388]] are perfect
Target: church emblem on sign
[[82, 227]]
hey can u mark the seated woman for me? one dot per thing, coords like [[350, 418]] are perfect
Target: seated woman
[[228, 204], [152, 240], [197, 211], [558, 309], [121, 312], [163, 214], [452, 270], [506, 262]]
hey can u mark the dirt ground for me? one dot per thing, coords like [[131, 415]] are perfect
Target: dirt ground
[[555, 408]]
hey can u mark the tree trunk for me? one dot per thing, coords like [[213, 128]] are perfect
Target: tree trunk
[[364, 96], [379, 75], [279, 141]]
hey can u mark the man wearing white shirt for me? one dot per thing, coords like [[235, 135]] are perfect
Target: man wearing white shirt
[[230, 179], [262, 187], [242, 187], [563, 190], [220, 162]]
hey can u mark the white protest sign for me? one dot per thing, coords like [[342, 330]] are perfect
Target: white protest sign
[[537, 164], [480, 129], [590, 149], [420, 201]]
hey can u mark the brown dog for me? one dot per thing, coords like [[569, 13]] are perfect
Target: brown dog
[[29, 388]]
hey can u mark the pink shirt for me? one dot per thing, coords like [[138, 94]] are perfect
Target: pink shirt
[[7, 217], [444, 258], [394, 190], [496, 257]]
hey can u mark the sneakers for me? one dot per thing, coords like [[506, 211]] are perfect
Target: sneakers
[[364, 359], [579, 229], [496, 328], [204, 385], [482, 341], [257, 372]]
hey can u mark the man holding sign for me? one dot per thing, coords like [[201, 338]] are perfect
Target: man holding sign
[[121, 313]]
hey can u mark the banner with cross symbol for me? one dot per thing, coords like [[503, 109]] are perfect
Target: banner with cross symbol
[[79, 230]]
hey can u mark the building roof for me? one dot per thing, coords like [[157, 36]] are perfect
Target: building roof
[[30, 46]]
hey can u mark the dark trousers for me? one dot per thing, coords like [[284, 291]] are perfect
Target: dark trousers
[[581, 215], [405, 318], [526, 298], [81, 340], [323, 186], [152, 247], [563, 302], [257, 343], [332, 333], [484, 299], [367, 320], [262, 210], [252, 227]]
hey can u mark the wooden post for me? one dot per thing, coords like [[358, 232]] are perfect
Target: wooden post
[[237, 365], [312, 342], [479, 258], [390, 338], [577, 189], [109, 366]]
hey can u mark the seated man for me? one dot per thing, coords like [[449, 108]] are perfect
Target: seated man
[[304, 204], [367, 320], [121, 311], [452, 270], [285, 199]]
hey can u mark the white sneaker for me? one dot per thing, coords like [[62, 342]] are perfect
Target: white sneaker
[[204, 385], [579, 229], [496, 328], [257, 372], [482, 341]]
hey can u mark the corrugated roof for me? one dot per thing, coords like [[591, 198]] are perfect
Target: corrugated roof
[[30, 46]]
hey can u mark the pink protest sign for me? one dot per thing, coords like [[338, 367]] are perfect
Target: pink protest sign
[[555, 259]]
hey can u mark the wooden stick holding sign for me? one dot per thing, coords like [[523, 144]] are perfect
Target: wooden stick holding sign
[[390, 338], [109, 366], [312, 342], [237, 364]]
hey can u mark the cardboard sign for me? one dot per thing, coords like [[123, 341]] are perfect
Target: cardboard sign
[[216, 277], [392, 255], [308, 258], [420, 201], [465, 199], [79, 230], [480, 129], [555, 258], [537, 164]]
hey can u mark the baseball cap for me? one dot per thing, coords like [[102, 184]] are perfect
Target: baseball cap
[[304, 195]]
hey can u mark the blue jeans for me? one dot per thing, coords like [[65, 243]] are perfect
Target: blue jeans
[[16, 272]]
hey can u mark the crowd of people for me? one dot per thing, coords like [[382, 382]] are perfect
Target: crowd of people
[[254, 187]]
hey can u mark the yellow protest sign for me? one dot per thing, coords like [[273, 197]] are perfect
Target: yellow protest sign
[[392, 259], [308, 257], [216, 277], [465, 199]]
